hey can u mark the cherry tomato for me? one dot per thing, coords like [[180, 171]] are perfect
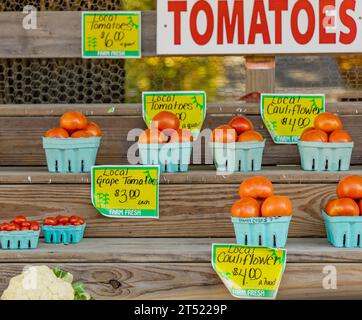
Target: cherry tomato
[[81, 221], [11, 227], [34, 226], [25, 224], [50, 221], [20, 219], [63, 220], [277, 206], [246, 207], [4, 226], [24, 228], [76, 224], [73, 219], [350, 187], [342, 207], [241, 124], [256, 187], [328, 122]]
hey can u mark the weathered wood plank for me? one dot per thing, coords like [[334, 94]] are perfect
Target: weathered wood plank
[[178, 281], [180, 250], [189, 210], [20, 138]]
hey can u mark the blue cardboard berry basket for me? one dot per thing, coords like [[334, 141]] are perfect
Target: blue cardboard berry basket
[[172, 157], [325, 156], [238, 156], [344, 232], [13, 240], [63, 234], [71, 155], [264, 232]]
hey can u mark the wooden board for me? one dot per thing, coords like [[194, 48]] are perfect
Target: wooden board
[[195, 280]]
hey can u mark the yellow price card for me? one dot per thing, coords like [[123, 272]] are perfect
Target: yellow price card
[[113, 35], [126, 191], [249, 272], [287, 115], [189, 106]]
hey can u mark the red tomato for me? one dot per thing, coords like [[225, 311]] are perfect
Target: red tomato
[[181, 136], [314, 135], [63, 219], [277, 206], [224, 134], [24, 228], [81, 221], [307, 129], [250, 136], [256, 187], [76, 224], [25, 224], [73, 219], [93, 129], [81, 134], [339, 136], [50, 221], [4, 226], [56, 133], [152, 136], [20, 219], [11, 227], [328, 122], [34, 226], [350, 187], [241, 124], [72, 121], [246, 207], [165, 122], [342, 207]]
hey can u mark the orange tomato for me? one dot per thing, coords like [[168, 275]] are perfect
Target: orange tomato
[[246, 207], [165, 122], [256, 187], [342, 207], [81, 134], [93, 129], [328, 122], [57, 133], [241, 124], [181, 136], [152, 136], [340, 136], [250, 136], [307, 129], [72, 121], [314, 135], [224, 134], [360, 206], [277, 206], [350, 187]]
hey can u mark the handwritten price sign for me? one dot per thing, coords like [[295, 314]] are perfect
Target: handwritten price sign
[[189, 107], [286, 116], [111, 35], [126, 191], [248, 272]]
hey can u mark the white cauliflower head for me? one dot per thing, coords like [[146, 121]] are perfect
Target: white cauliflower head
[[38, 283]]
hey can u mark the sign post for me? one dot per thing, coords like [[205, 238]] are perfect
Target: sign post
[[248, 272], [287, 115], [126, 191]]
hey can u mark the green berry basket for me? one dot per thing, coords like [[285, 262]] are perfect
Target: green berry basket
[[325, 156], [71, 155], [238, 156]]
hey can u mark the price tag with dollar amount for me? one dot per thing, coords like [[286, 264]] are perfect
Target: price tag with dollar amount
[[111, 34], [188, 106], [126, 191], [286, 116], [249, 272]]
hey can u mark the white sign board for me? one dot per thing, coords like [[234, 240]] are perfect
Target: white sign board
[[258, 26]]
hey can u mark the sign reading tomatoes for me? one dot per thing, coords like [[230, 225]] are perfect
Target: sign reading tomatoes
[[188, 106], [258, 26], [249, 272], [111, 35], [126, 191], [286, 116]]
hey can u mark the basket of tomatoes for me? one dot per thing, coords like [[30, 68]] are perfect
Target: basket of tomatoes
[[19, 234], [261, 218], [326, 146], [343, 216], [166, 144], [73, 147], [63, 229], [237, 146]]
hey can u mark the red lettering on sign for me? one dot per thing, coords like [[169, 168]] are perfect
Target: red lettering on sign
[[303, 38], [224, 22], [348, 21], [177, 7], [262, 27], [324, 21], [278, 6], [199, 38]]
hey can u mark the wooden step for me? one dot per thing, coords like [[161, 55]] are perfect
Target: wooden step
[[193, 204], [181, 268]]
